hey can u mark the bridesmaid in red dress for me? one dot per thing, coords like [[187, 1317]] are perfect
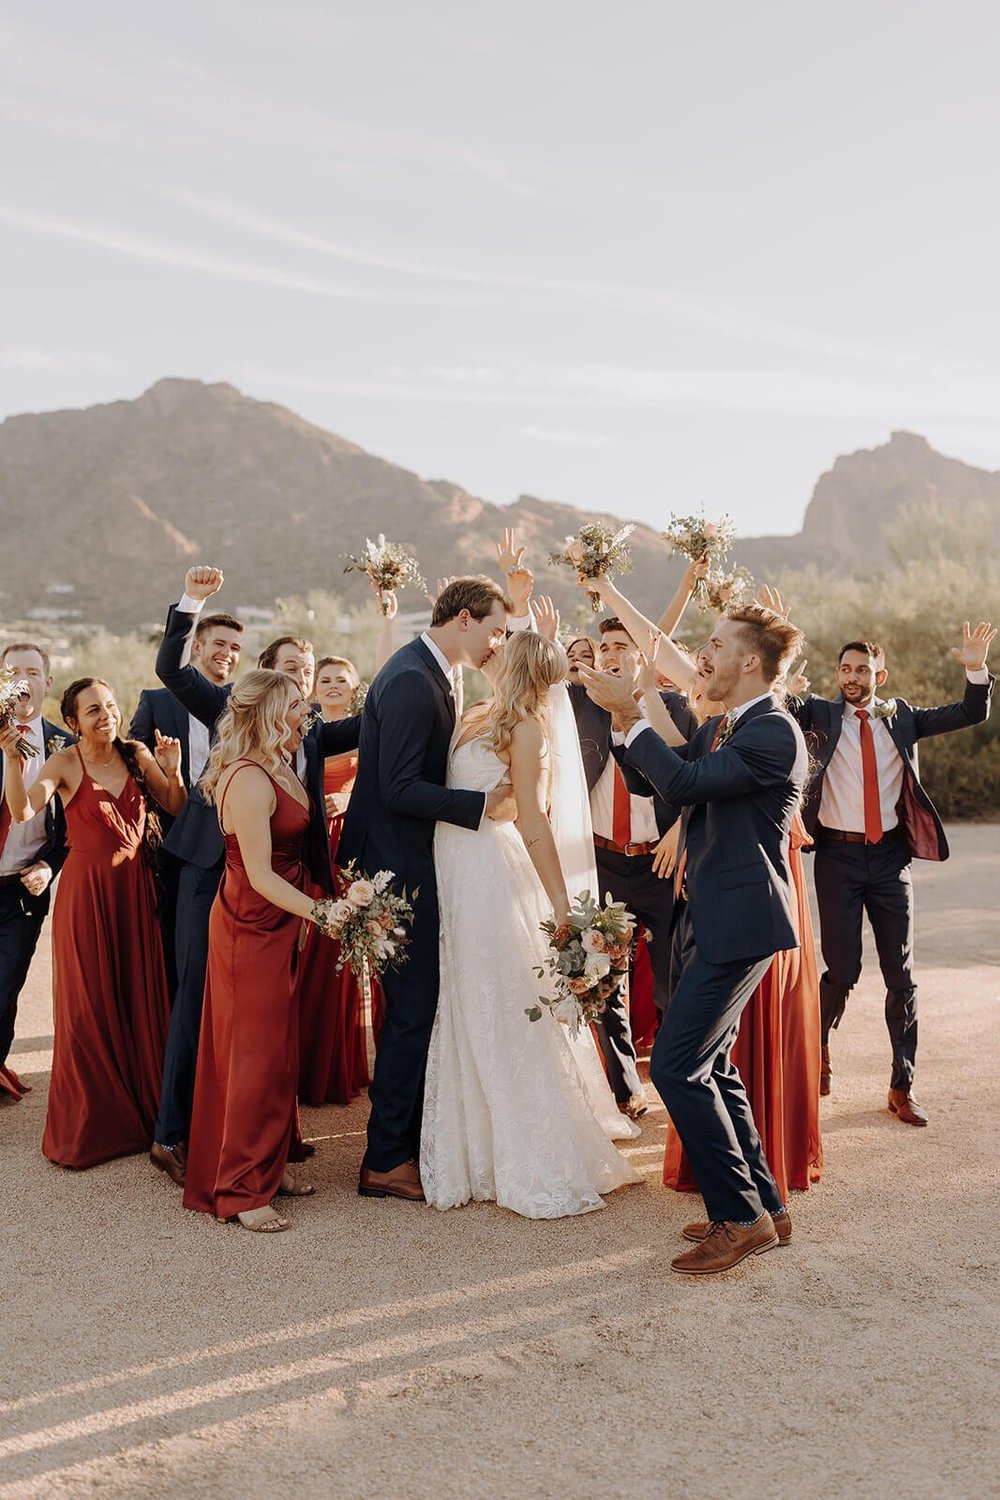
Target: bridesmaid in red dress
[[110, 1002], [248, 1055]]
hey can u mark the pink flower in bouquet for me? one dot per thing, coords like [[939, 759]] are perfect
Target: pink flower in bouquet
[[376, 928], [593, 941], [577, 554], [341, 912], [361, 893], [562, 935], [710, 530], [580, 986]]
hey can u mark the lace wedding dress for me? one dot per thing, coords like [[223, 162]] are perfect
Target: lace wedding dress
[[514, 1111]]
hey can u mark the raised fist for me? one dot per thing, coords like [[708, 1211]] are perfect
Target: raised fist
[[202, 583]]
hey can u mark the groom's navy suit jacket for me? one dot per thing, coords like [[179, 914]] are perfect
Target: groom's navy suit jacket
[[738, 804], [400, 793], [196, 836], [821, 720]]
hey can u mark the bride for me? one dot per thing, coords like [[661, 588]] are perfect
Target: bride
[[514, 1111]]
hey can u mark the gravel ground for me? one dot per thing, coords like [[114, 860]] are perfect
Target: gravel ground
[[383, 1349]]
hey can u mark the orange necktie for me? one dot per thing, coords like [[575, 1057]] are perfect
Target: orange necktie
[[869, 778], [621, 812]]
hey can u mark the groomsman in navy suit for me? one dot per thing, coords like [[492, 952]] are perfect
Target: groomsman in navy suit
[[869, 816], [739, 780], [215, 653], [31, 854]]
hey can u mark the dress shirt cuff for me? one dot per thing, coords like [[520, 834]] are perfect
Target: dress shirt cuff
[[188, 606], [635, 732], [980, 677]]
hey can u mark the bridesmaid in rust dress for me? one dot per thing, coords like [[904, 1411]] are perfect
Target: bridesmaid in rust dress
[[110, 1002], [248, 1055]]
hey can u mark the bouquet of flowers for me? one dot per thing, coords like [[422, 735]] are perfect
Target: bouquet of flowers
[[596, 550], [726, 588], [697, 538], [11, 689], [369, 921], [387, 564], [589, 959], [360, 694]]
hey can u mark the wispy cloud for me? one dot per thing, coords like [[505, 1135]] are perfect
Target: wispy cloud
[[564, 438], [55, 361]]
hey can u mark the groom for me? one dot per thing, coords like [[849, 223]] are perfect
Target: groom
[[400, 793]]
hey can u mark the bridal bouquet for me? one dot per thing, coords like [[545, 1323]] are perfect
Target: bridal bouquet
[[360, 694], [11, 689], [369, 920], [589, 959], [387, 564], [727, 588], [697, 538], [596, 550]]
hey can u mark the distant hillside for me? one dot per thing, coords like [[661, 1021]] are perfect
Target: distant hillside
[[104, 509]]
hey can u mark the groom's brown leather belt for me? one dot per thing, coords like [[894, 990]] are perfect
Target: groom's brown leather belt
[[630, 849], [843, 837]]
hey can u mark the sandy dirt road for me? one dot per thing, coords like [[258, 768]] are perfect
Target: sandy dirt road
[[383, 1349]]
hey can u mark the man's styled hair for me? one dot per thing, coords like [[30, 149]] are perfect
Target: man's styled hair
[[217, 622], [866, 648], [613, 623], [269, 655], [477, 595], [27, 646], [774, 640]]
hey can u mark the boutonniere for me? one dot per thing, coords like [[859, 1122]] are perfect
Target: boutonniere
[[55, 743], [886, 710]]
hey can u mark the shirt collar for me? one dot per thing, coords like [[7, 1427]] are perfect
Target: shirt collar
[[734, 714], [437, 654]]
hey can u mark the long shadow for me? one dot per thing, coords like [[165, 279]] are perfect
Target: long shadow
[[33, 1044]]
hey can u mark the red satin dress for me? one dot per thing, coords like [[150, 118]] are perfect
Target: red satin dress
[[777, 1052], [110, 1003], [333, 1045], [248, 1053]]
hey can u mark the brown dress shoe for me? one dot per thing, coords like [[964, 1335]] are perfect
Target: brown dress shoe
[[782, 1223], [635, 1107], [824, 1071], [170, 1159], [401, 1182], [905, 1107], [725, 1246]]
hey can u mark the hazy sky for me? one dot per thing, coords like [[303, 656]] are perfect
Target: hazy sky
[[638, 257]]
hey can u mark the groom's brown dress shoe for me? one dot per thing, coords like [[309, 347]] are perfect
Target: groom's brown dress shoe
[[905, 1107], [782, 1223], [824, 1071], [725, 1245], [401, 1182], [170, 1159]]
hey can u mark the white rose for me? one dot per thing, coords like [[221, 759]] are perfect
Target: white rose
[[567, 1011], [592, 941], [598, 964], [361, 893], [340, 912]]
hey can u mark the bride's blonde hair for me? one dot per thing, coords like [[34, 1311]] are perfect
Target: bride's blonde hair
[[252, 724], [529, 666]]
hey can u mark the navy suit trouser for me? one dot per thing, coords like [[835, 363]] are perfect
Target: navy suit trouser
[[196, 891], [631, 879], [694, 1074], [851, 880], [21, 918]]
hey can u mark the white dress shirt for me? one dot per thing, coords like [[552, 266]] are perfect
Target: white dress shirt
[[24, 841], [199, 746], [642, 819]]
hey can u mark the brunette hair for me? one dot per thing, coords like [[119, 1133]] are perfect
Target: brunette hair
[[612, 622], [269, 655], [581, 640], [217, 622], [774, 640], [477, 595], [152, 833], [252, 722], [866, 648], [28, 646]]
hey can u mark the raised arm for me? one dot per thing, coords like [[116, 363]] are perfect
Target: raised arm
[[24, 802], [388, 608], [974, 706], [672, 662], [162, 772], [672, 615], [530, 781], [763, 755], [202, 698]]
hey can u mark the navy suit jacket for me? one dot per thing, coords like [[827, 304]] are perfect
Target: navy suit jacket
[[400, 793], [196, 836], [821, 720], [54, 851], [159, 709], [594, 726], [738, 803]]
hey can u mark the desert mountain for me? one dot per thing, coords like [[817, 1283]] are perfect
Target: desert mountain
[[104, 509]]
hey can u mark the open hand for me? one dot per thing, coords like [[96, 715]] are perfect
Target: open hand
[[439, 589], [975, 645], [167, 753], [509, 553], [546, 617], [645, 677], [501, 804], [769, 598], [202, 583], [616, 695]]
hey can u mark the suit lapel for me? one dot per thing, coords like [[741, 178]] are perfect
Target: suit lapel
[[438, 677]]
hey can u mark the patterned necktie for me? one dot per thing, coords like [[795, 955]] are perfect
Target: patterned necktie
[[869, 778]]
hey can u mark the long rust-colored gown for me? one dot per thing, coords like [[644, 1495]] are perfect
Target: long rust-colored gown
[[777, 1054], [333, 1046], [248, 1053], [110, 1003]]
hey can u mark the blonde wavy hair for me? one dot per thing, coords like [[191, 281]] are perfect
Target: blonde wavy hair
[[252, 725], [529, 666]]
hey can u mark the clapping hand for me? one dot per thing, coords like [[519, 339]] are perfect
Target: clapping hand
[[546, 617], [645, 677], [975, 645], [616, 695], [202, 583], [167, 753]]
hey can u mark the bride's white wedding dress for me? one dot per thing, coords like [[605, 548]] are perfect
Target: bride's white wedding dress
[[514, 1111]]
